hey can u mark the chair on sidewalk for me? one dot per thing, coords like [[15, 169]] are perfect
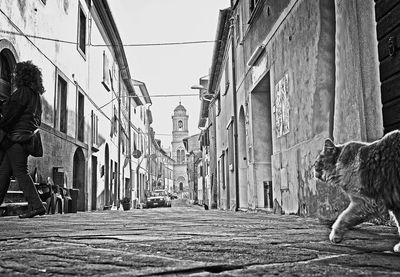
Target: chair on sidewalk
[[56, 200]]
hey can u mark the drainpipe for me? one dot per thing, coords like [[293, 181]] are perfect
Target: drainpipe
[[117, 186], [131, 177], [149, 143], [235, 129]]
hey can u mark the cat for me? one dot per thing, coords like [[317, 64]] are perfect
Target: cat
[[369, 173]]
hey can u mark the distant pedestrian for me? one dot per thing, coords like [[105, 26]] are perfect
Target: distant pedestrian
[[21, 120]]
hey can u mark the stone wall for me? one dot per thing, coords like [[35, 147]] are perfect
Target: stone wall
[[303, 49]]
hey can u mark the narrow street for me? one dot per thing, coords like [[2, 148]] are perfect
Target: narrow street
[[188, 240]]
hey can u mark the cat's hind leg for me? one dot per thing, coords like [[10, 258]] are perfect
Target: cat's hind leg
[[359, 211], [396, 216]]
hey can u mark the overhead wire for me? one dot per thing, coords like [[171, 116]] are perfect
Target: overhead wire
[[103, 45], [21, 33], [151, 96], [28, 37]]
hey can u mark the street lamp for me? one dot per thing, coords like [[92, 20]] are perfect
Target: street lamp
[[203, 96]]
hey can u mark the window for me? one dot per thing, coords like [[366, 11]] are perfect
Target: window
[[81, 116], [230, 157], [226, 76], [252, 5], [180, 156], [218, 104], [180, 125], [82, 32], [222, 171], [95, 129], [111, 80], [238, 28], [106, 75], [61, 115]]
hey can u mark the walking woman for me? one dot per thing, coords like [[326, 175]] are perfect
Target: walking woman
[[21, 120]]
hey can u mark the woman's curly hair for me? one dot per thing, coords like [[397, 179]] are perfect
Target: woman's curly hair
[[29, 75]]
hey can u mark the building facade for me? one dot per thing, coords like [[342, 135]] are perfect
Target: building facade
[[90, 101], [193, 162], [301, 71]]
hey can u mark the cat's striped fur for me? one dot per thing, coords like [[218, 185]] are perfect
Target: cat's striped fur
[[369, 173]]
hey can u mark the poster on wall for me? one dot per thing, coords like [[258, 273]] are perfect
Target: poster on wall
[[282, 106]]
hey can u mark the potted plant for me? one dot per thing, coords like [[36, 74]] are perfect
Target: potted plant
[[126, 203]]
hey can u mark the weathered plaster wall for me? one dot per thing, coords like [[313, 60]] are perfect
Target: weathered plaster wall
[[303, 48], [358, 108], [227, 193], [329, 96]]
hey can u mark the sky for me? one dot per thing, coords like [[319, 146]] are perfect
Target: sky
[[169, 69]]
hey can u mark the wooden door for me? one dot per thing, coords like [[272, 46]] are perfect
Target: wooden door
[[387, 14]]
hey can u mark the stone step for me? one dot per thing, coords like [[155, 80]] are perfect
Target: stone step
[[14, 197], [12, 209], [14, 186]]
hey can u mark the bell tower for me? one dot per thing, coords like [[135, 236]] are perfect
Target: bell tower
[[180, 121], [179, 132]]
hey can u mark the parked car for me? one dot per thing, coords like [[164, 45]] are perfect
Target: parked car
[[158, 198], [173, 195]]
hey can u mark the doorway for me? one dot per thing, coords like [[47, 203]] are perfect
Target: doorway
[[107, 175], [94, 183], [262, 138], [79, 177], [242, 149], [7, 63]]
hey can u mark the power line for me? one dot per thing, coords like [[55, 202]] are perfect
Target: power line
[[167, 95], [158, 43], [103, 45], [155, 95], [35, 36]]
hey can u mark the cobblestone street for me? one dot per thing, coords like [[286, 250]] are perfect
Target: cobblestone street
[[188, 240]]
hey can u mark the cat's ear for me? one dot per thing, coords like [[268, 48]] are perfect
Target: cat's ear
[[329, 146]]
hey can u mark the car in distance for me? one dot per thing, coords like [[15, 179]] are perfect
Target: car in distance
[[158, 198]]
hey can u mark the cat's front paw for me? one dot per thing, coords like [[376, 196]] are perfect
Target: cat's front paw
[[396, 248], [336, 236]]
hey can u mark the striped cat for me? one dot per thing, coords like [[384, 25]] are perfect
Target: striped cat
[[370, 175]]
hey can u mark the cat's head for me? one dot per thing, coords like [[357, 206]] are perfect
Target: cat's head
[[325, 164]]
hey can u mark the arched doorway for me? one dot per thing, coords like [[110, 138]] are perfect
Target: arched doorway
[[242, 150], [180, 184], [7, 63], [107, 175], [79, 177]]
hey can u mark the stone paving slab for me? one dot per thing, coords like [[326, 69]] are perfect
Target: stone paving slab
[[190, 241]]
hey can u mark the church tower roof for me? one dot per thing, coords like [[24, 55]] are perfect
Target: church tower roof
[[180, 109]]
